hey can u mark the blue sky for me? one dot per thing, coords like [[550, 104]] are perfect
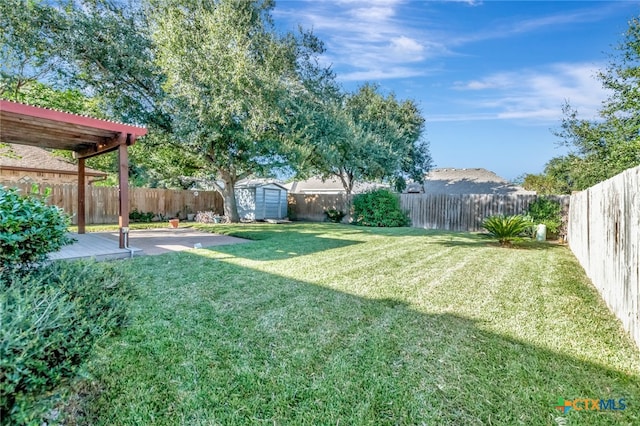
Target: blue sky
[[490, 77]]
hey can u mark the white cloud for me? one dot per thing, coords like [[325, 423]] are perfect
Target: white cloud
[[469, 2], [367, 39], [502, 30], [531, 94], [373, 14], [405, 46], [382, 74]]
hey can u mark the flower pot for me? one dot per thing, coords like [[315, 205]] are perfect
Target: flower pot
[[190, 216], [174, 223]]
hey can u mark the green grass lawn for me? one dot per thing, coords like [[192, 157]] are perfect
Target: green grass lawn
[[324, 324]]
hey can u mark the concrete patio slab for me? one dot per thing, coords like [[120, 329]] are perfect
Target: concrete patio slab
[[164, 240], [94, 246], [104, 245]]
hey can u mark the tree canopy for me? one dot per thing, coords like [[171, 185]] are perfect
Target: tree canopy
[[363, 136], [29, 44], [227, 72], [225, 95]]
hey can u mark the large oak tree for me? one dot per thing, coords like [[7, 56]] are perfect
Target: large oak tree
[[228, 73], [363, 136]]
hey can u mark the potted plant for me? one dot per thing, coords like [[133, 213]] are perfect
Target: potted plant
[[174, 222], [190, 214]]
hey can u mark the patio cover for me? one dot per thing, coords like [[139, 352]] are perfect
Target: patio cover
[[85, 136]]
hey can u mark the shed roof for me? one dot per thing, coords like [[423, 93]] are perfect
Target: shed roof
[[254, 183], [26, 157]]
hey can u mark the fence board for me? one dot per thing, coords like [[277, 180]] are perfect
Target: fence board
[[433, 211], [312, 206], [604, 235], [464, 212], [102, 202]]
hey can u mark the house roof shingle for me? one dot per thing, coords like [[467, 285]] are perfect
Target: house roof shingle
[[468, 181], [316, 185]]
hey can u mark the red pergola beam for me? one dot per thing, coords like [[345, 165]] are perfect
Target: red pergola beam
[[69, 118]]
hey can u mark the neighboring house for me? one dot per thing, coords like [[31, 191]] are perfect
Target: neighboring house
[[30, 164], [316, 185], [465, 181], [259, 199]]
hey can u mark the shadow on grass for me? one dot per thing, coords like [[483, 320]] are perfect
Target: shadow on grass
[[462, 239], [279, 241], [214, 342]]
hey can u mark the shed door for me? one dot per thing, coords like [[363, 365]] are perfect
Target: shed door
[[272, 203]]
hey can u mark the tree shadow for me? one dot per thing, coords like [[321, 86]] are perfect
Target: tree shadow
[[461, 239], [274, 242], [228, 344], [311, 239]]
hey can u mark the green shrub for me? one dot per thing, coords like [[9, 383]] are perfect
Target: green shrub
[[546, 211], [334, 215], [506, 228], [137, 216], [29, 229], [378, 208], [51, 318]]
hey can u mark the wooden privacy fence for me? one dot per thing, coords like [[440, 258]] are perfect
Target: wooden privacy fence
[[465, 212], [447, 212], [604, 235], [312, 206], [102, 202]]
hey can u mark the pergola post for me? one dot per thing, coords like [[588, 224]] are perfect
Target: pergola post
[[123, 184], [81, 196], [85, 136]]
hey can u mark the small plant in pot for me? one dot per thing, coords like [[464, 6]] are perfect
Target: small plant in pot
[[189, 213]]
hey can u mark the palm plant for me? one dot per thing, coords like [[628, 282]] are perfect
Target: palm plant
[[506, 228]]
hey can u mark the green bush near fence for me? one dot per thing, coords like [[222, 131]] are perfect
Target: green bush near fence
[[380, 208], [137, 216], [334, 215], [51, 318], [546, 211], [29, 229]]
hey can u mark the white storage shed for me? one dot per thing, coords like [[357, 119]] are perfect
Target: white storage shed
[[259, 200]]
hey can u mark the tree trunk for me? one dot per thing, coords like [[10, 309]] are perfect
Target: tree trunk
[[229, 196], [347, 182], [230, 206]]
